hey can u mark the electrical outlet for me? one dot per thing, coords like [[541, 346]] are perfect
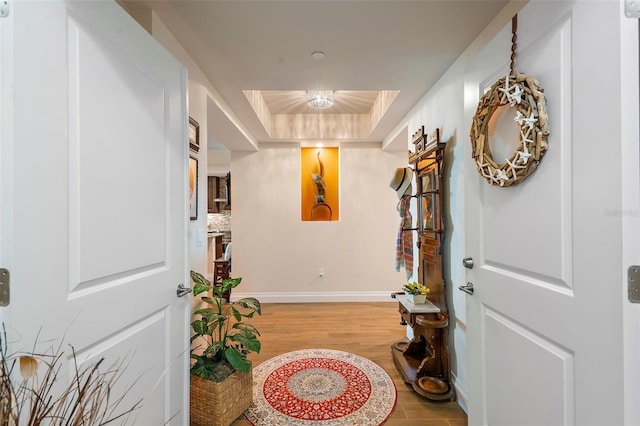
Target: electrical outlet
[[321, 272]]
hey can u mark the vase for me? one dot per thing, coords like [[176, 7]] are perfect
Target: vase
[[416, 299], [219, 404]]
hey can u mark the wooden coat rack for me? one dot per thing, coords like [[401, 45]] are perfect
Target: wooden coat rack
[[423, 362]]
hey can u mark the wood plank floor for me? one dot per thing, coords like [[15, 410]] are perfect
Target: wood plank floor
[[366, 329]]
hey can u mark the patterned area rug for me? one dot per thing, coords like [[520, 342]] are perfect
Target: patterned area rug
[[320, 387]]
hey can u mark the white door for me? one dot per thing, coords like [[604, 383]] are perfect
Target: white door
[[94, 203], [545, 340]]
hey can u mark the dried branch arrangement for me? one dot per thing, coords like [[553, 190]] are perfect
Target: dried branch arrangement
[[29, 394]]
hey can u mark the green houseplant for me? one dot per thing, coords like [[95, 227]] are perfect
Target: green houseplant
[[221, 379]]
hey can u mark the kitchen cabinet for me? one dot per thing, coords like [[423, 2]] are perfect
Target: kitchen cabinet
[[216, 194]]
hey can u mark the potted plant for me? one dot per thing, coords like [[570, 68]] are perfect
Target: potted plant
[[416, 293], [221, 379]]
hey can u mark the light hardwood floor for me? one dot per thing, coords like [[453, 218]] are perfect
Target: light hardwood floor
[[366, 329]]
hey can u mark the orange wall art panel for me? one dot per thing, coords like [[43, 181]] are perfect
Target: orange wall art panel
[[320, 173]]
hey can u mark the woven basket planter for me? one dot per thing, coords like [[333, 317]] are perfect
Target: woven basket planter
[[219, 404]]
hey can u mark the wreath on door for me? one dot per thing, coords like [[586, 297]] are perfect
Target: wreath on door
[[523, 93]]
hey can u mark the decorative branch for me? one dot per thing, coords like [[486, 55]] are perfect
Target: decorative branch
[[31, 399]]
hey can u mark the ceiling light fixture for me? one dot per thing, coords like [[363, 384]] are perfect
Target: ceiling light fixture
[[317, 55], [320, 99]]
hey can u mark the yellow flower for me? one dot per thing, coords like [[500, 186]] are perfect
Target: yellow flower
[[416, 288]]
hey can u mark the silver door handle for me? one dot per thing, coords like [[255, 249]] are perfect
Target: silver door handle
[[467, 288], [182, 290], [467, 262]]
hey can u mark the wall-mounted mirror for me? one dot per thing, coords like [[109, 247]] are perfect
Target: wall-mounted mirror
[[428, 201]]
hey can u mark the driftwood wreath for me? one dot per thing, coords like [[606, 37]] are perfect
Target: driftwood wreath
[[523, 93]]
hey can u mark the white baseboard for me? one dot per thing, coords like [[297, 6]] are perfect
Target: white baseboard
[[461, 393], [309, 297]]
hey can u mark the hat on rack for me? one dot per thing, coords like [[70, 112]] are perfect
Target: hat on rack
[[401, 180]]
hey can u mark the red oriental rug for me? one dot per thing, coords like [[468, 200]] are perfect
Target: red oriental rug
[[322, 387]]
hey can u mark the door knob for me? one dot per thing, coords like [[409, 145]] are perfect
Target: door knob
[[467, 262], [182, 290], [467, 288]]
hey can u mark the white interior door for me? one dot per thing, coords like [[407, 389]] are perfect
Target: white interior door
[[545, 342], [96, 198]]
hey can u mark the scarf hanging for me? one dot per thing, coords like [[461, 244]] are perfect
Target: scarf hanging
[[404, 247]]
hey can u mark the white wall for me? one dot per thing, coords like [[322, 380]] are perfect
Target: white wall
[[278, 255], [219, 162]]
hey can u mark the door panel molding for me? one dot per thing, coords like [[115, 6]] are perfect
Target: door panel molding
[[552, 380]]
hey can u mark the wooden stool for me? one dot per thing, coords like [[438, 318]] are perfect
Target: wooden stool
[[220, 272]]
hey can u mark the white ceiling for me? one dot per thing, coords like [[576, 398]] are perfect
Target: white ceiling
[[370, 46]]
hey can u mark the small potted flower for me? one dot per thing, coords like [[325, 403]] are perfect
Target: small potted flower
[[416, 293]]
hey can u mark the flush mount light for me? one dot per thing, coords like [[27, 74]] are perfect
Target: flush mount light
[[317, 55], [320, 99]]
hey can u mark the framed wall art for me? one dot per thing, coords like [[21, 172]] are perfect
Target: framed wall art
[[193, 188], [194, 135]]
